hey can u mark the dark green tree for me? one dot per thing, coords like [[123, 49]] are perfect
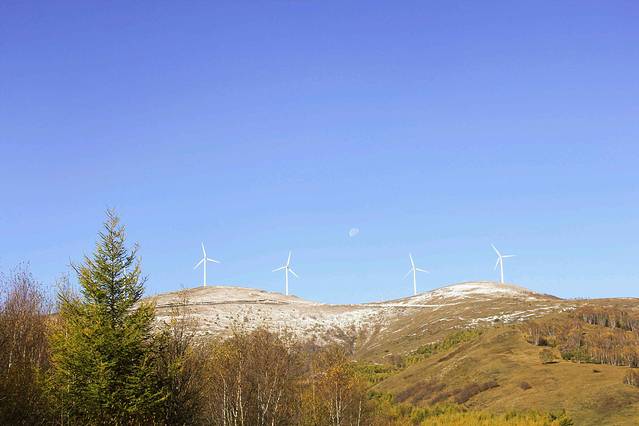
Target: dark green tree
[[103, 362]]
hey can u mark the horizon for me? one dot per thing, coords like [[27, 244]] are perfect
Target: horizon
[[350, 134]]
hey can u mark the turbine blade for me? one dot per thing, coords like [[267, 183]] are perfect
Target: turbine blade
[[279, 269], [212, 260], [203, 251], [509, 255], [496, 251], [497, 264], [422, 270], [198, 264], [293, 272], [411, 260], [288, 262], [408, 273]]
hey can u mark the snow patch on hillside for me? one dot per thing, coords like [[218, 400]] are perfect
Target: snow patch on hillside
[[220, 309], [470, 290]]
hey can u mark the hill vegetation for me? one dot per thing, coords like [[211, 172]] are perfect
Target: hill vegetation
[[595, 334], [456, 356]]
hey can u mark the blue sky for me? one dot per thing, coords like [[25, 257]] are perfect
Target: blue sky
[[435, 128]]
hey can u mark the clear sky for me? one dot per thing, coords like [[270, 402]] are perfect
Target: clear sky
[[435, 128]]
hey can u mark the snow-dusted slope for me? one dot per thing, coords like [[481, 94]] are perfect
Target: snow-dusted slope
[[471, 290], [218, 309]]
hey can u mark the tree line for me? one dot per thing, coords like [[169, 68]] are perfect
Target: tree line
[[595, 334]]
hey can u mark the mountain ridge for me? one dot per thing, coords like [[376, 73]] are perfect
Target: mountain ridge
[[219, 309]]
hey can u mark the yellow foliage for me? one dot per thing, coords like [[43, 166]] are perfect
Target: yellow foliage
[[477, 418]]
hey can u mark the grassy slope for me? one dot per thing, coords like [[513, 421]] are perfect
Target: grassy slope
[[502, 354], [429, 325]]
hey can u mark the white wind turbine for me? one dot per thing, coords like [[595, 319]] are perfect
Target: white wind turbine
[[203, 261], [414, 270], [287, 269], [500, 262]]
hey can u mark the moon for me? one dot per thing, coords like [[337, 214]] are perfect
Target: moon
[[353, 232]]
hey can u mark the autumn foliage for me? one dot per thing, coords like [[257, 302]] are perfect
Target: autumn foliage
[[24, 349], [603, 335]]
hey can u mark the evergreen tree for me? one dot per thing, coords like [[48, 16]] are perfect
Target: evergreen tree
[[103, 357]]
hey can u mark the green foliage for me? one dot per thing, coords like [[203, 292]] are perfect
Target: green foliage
[[388, 412], [482, 418], [374, 373], [450, 341], [103, 349]]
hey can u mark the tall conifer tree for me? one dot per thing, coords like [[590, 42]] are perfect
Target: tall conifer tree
[[103, 369]]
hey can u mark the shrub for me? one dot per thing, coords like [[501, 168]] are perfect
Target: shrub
[[547, 356], [419, 391], [525, 385], [374, 373], [473, 389], [441, 397]]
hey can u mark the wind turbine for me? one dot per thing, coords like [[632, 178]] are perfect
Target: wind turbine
[[414, 271], [500, 261], [203, 261], [287, 269]]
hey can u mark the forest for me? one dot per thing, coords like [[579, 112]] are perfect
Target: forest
[[593, 334]]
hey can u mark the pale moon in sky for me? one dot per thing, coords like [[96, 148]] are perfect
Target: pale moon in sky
[[353, 232]]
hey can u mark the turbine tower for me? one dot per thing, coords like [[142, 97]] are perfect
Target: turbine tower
[[203, 261], [500, 262], [414, 270], [287, 269]]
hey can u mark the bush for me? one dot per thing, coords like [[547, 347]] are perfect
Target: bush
[[419, 391], [473, 389], [374, 373], [525, 385], [547, 356]]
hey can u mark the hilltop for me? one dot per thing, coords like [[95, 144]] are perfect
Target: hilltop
[[217, 309]]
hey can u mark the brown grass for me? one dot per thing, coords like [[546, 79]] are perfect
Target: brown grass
[[502, 354]]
